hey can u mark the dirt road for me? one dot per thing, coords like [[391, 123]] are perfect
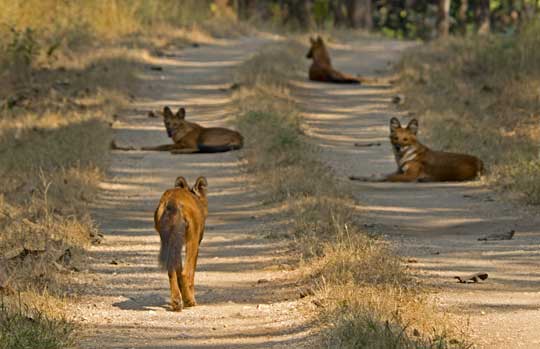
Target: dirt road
[[244, 285], [436, 225]]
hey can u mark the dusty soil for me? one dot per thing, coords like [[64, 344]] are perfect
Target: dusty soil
[[245, 284], [434, 226]]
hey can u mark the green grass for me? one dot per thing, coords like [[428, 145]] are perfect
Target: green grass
[[22, 327]]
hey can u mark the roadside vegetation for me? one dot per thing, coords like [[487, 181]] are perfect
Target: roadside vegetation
[[481, 95], [366, 297], [66, 68], [22, 326]]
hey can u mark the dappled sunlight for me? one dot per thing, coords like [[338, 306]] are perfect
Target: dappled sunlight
[[233, 256], [400, 209], [436, 227], [119, 186], [365, 92], [504, 265], [379, 245], [210, 336], [329, 116], [183, 63]]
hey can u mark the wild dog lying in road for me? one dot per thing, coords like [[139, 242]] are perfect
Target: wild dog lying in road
[[418, 163], [179, 219], [189, 137], [321, 69]]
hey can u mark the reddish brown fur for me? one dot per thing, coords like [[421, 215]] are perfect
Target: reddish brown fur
[[179, 219], [321, 69], [416, 162], [190, 137]]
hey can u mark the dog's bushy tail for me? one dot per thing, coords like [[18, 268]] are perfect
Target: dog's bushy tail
[[347, 80], [218, 148], [172, 240]]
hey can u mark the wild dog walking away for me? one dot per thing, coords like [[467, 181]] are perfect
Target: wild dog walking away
[[190, 137], [321, 69], [179, 219], [418, 163]]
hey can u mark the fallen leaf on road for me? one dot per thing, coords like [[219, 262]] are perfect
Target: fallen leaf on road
[[371, 144], [498, 236], [471, 278]]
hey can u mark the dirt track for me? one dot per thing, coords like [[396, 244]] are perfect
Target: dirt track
[[244, 284], [434, 225]]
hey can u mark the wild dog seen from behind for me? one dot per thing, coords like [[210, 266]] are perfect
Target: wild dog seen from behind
[[190, 137], [180, 220], [418, 163], [321, 69]]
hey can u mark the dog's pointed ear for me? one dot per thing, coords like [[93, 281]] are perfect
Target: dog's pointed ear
[[167, 112], [200, 186], [181, 182], [181, 113], [312, 40], [413, 126], [394, 124]]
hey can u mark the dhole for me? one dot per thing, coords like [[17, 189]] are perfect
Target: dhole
[[189, 137], [416, 162], [321, 68], [179, 219]]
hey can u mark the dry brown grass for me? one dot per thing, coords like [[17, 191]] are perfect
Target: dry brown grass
[[54, 140], [43, 32], [368, 298], [103, 20], [480, 95], [66, 68]]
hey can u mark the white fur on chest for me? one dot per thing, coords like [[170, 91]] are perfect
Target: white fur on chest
[[409, 154]]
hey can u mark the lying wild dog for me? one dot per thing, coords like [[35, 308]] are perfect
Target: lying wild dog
[[321, 69], [179, 219], [416, 162], [189, 137]]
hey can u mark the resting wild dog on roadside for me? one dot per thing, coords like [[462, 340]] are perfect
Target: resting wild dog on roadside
[[321, 69], [189, 137], [418, 163], [179, 219]]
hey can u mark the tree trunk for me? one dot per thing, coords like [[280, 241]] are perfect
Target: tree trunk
[[409, 6], [482, 13], [462, 16], [305, 17], [337, 8], [300, 12], [443, 18], [245, 9], [359, 14]]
